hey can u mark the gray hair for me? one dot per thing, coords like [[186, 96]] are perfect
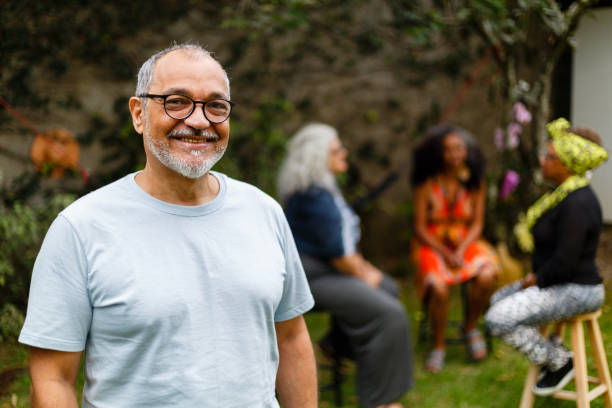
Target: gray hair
[[145, 74], [306, 162]]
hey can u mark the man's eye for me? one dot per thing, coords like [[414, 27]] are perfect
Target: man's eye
[[217, 106], [177, 101]]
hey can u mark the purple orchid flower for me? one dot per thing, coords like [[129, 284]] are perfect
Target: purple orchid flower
[[514, 129], [521, 114], [509, 184]]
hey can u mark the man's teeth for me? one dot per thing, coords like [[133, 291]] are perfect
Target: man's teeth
[[192, 140]]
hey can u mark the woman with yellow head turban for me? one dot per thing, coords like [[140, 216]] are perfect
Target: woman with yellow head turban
[[562, 231]]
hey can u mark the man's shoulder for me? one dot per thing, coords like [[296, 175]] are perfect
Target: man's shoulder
[[97, 200], [246, 191]]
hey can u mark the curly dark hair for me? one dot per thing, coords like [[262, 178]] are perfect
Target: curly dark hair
[[428, 161]]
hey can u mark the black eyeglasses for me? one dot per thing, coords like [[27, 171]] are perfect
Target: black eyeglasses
[[216, 110]]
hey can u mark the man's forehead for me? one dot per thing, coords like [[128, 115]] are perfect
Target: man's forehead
[[180, 65], [194, 55]]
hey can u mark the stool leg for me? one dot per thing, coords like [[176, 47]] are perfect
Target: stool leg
[[580, 369], [528, 397], [601, 361]]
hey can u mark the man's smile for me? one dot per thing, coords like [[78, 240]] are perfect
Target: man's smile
[[194, 137]]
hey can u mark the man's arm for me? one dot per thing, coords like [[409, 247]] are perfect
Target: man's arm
[[54, 375], [296, 381]]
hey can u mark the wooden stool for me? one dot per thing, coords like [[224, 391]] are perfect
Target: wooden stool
[[583, 396]]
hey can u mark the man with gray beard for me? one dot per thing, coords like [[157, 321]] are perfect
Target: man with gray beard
[[182, 285]]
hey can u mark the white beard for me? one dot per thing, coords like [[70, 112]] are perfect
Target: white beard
[[187, 168]]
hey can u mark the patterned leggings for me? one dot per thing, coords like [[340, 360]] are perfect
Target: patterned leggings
[[515, 315]]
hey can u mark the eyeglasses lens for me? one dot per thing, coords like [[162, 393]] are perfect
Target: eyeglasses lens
[[217, 110], [180, 107]]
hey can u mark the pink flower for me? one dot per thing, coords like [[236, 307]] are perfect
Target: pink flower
[[513, 134], [499, 139], [509, 184], [521, 114]]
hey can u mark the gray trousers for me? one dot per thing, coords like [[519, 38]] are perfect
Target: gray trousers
[[516, 314], [375, 322]]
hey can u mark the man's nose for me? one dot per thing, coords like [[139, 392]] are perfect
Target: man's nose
[[197, 119]]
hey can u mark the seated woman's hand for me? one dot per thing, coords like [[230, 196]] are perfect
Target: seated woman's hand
[[355, 265], [529, 280], [458, 254], [454, 259], [372, 275]]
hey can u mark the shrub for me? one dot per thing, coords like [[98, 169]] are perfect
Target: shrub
[[11, 321], [22, 229]]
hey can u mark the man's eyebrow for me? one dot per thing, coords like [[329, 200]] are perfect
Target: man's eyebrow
[[183, 91]]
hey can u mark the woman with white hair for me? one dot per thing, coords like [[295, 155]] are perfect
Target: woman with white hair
[[370, 324]]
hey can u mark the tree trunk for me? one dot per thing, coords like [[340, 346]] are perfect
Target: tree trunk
[[541, 135]]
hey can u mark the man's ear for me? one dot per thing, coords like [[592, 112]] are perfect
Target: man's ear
[[137, 111]]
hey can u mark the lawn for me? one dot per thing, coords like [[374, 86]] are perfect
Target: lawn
[[496, 382]]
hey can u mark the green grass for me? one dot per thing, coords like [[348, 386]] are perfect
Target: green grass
[[495, 382], [13, 360]]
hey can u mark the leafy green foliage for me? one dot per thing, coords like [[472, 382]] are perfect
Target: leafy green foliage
[[22, 229], [11, 321], [123, 150], [272, 16], [256, 150], [40, 36]]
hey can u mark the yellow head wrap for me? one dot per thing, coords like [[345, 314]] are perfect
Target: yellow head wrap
[[577, 153]]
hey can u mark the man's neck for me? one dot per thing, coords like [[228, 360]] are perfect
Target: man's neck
[[171, 187]]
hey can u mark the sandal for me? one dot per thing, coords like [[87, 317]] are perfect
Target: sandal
[[475, 345], [435, 361]]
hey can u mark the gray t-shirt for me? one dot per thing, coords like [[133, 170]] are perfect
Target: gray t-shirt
[[174, 305]]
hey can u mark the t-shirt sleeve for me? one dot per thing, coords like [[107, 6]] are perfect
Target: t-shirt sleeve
[[297, 298], [59, 309]]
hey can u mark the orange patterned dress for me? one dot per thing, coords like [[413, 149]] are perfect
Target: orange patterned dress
[[449, 222]]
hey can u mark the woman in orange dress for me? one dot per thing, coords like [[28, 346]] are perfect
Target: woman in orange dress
[[449, 205]]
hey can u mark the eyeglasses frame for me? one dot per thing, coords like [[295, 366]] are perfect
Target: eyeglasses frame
[[164, 97]]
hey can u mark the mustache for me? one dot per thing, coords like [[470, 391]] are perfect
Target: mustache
[[178, 133]]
